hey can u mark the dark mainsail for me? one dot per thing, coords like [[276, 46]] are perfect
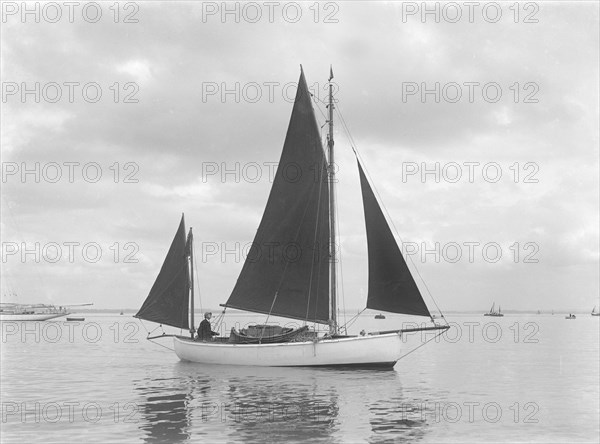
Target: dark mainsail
[[391, 286], [286, 272], [168, 300]]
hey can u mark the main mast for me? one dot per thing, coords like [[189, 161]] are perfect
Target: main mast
[[332, 246]]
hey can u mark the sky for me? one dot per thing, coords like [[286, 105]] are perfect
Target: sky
[[478, 126]]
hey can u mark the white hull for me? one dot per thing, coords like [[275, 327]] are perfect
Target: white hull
[[17, 317], [377, 350]]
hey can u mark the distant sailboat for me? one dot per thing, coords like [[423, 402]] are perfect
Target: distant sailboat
[[298, 212], [493, 312], [594, 312]]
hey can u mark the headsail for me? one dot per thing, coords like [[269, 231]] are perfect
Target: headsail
[[168, 300], [391, 286], [286, 272]]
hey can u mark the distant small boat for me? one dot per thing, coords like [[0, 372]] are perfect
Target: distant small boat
[[379, 316], [121, 312], [493, 312], [571, 316], [75, 319], [594, 312], [539, 312]]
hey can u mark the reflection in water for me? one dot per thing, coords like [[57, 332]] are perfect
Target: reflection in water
[[395, 419], [250, 404], [165, 412], [168, 417], [280, 405]]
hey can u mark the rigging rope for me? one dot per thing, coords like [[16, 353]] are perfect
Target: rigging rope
[[161, 345], [352, 320], [317, 249], [339, 236], [318, 102], [424, 343], [355, 149], [151, 331], [220, 319]]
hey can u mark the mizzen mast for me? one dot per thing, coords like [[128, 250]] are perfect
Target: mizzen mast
[[190, 247], [332, 246]]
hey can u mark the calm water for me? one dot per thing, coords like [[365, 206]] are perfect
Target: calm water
[[518, 378]]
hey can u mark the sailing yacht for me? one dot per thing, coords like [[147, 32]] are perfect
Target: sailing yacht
[[594, 312], [300, 211], [493, 311], [30, 312], [34, 312]]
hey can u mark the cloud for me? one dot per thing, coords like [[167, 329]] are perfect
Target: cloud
[[138, 69], [153, 150]]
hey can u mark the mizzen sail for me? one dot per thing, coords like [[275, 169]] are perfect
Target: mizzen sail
[[168, 300], [391, 286], [286, 272]]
